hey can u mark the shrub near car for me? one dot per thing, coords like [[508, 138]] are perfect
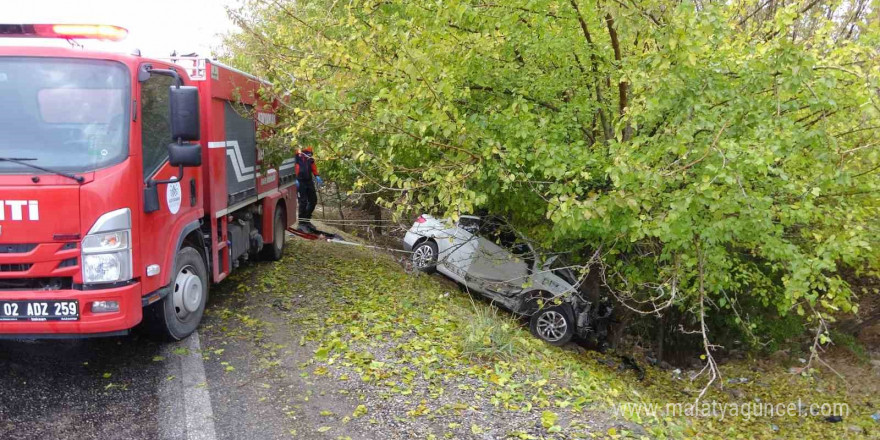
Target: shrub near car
[[486, 256]]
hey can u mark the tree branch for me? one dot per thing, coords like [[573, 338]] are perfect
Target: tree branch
[[606, 124], [615, 44], [512, 93]]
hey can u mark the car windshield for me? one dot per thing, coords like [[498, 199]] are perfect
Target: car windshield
[[67, 114]]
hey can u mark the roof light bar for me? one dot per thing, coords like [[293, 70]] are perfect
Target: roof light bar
[[69, 31]]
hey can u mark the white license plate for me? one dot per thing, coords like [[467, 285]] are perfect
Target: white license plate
[[39, 311]]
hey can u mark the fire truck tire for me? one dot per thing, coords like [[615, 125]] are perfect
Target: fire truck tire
[[275, 250], [178, 314]]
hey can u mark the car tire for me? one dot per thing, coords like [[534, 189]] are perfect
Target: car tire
[[275, 250], [178, 315], [424, 256], [552, 325]]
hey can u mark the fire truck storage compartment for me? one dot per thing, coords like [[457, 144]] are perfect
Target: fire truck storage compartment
[[241, 153], [244, 237]]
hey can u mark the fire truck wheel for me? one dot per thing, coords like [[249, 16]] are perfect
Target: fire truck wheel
[[179, 313], [275, 250]]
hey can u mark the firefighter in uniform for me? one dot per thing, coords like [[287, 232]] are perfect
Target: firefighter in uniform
[[305, 169]]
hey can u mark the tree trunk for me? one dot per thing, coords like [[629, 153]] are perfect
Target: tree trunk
[[661, 334], [339, 204]]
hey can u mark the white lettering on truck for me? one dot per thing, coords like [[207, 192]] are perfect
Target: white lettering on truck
[[16, 209]]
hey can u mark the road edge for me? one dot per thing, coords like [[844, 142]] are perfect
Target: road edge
[[184, 392]]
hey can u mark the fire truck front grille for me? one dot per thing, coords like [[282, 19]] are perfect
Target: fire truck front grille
[[70, 262], [16, 248], [53, 283], [23, 265], [20, 267]]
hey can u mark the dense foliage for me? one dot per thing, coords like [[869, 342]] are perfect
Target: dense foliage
[[710, 153]]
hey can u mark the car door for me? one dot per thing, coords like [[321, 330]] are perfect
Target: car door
[[457, 258]]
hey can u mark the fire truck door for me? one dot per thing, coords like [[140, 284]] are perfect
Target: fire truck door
[[178, 202]]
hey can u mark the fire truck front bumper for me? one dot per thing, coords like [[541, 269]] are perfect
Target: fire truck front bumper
[[44, 314]]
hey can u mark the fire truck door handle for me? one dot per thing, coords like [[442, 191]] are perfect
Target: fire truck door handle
[[192, 192]]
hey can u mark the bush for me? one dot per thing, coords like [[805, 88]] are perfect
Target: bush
[[488, 334], [709, 150]]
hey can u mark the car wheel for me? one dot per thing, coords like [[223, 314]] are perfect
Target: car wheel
[[275, 250], [552, 325], [424, 256], [178, 314]]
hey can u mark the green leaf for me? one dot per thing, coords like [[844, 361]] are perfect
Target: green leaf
[[359, 411], [548, 419]]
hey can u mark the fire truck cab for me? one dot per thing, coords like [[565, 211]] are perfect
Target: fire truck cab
[[127, 186]]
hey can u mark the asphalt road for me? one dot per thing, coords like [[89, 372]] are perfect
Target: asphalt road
[[109, 388], [90, 388], [116, 388]]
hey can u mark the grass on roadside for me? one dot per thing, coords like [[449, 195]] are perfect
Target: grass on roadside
[[489, 335], [411, 335]]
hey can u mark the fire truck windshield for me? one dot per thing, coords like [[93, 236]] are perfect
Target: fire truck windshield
[[68, 114]]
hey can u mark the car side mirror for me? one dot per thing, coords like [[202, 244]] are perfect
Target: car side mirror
[[184, 113], [184, 155]]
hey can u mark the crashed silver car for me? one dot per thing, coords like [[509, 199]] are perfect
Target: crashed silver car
[[487, 257]]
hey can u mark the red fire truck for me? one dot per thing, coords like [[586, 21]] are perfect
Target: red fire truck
[[127, 186]]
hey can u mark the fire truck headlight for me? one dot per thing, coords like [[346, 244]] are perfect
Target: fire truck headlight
[[102, 243], [106, 254], [106, 268]]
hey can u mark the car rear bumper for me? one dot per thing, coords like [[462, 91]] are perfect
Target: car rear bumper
[[89, 324]]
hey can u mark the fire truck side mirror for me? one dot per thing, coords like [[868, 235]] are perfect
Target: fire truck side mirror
[[184, 113], [184, 155]]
